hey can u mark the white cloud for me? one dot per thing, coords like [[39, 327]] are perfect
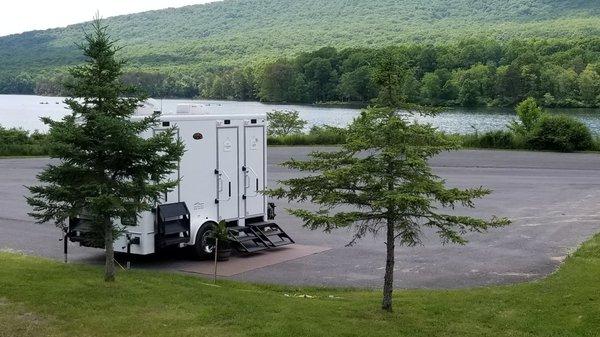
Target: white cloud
[[25, 15]]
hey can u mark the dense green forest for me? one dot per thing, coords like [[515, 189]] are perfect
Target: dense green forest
[[470, 73], [228, 48]]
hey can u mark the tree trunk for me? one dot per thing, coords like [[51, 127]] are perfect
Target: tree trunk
[[388, 283], [109, 264]]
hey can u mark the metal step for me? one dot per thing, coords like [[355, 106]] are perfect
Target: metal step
[[272, 234], [246, 240], [254, 249], [173, 225]]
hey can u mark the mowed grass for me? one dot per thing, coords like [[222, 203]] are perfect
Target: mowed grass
[[39, 297]]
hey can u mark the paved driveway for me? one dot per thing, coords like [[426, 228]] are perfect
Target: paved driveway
[[552, 199]]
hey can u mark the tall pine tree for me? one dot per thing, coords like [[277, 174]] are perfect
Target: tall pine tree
[[104, 169], [381, 181]]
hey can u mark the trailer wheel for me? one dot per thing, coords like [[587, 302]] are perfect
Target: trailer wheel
[[204, 246]]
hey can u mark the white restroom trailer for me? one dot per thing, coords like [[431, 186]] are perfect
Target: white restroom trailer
[[222, 173]]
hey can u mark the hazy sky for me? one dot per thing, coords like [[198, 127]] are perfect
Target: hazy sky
[[17, 16]]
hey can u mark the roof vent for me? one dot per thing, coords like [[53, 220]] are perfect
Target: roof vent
[[147, 108], [190, 109]]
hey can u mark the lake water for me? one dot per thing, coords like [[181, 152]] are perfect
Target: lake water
[[24, 111]]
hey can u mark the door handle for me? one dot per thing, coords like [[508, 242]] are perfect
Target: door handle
[[220, 185]]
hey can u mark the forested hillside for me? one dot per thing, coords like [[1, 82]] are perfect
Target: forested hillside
[[558, 73], [179, 47]]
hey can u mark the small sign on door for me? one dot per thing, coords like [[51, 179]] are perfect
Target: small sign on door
[[254, 144], [227, 145]]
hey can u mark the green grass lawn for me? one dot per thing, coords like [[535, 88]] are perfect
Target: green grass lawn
[[39, 297]]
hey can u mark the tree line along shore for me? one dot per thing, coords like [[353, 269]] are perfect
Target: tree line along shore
[[556, 72]]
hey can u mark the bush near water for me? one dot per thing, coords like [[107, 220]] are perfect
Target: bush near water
[[533, 129], [560, 133], [19, 142], [318, 135], [497, 139]]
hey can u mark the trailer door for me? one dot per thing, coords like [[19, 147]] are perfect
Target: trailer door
[[254, 170], [227, 173]]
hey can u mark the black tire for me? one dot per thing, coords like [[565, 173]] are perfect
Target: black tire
[[203, 247]]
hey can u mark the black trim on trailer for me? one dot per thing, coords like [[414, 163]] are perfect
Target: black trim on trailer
[[255, 219], [271, 211], [232, 223]]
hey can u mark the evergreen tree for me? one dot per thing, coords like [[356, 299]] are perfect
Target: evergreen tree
[[382, 177], [389, 76], [380, 180], [105, 170]]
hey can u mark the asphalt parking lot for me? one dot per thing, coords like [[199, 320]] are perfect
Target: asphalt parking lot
[[552, 198]]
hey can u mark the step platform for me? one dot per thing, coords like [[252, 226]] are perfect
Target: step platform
[[258, 236]]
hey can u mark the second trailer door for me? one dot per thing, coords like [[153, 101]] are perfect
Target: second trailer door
[[254, 164]]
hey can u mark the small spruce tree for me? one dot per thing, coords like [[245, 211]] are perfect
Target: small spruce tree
[[380, 181], [105, 170]]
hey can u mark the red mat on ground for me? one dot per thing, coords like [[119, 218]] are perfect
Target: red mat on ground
[[240, 264]]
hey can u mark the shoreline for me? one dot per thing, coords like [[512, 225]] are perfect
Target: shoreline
[[337, 105]]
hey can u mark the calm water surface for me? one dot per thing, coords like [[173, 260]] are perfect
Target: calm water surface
[[24, 111]]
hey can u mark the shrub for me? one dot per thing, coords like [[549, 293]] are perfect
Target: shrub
[[499, 139], [7, 150], [19, 142], [13, 136], [318, 135], [528, 113], [284, 122], [560, 133], [328, 135], [596, 143]]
